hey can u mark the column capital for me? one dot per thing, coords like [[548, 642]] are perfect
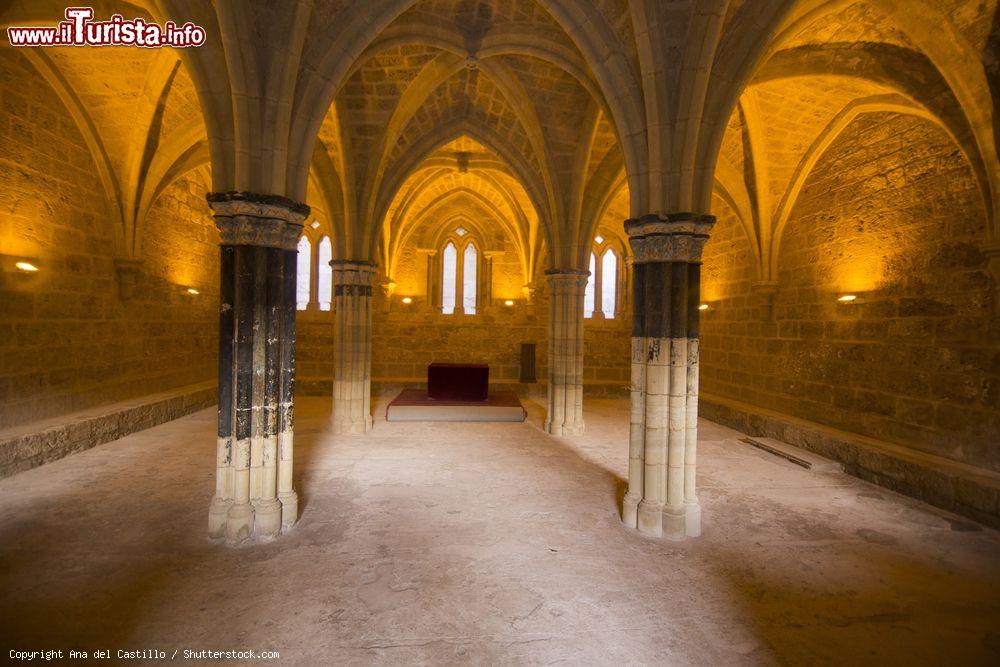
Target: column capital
[[668, 237], [430, 252], [349, 274], [248, 218], [566, 278]]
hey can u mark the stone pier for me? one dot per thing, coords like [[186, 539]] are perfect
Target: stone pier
[[565, 404], [352, 335], [254, 497], [663, 435]]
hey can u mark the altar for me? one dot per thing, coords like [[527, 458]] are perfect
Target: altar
[[456, 392]]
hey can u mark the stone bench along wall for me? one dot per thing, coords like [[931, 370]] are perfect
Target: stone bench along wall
[[28, 446]]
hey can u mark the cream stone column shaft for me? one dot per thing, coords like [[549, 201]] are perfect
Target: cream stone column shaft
[[352, 296], [256, 359], [662, 495], [565, 404]]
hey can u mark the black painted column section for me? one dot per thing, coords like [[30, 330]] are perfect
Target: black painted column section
[[254, 496], [223, 498]]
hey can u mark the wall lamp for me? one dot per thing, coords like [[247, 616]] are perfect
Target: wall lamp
[[407, 299], [703, 307], [192, 291], [18, 264], [508, 302], [849, 298]]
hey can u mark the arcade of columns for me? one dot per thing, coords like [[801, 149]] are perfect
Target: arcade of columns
[[283, 87]]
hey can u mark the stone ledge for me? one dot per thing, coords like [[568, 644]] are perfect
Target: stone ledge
[[30, 445], [957, 487]]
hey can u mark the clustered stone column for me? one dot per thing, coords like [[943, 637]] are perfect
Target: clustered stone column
[[352, 331], [253, 493], [663, 432], [565, 409]]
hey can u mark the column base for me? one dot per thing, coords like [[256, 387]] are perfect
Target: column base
[[564, 429], [649, 518], [352, 427], [239, 523], [674, 523], [289, 509], [218, 513], [267, 518], [630, 511], [659, 521]]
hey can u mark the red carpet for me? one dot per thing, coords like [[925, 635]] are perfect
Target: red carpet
[[416, 405]]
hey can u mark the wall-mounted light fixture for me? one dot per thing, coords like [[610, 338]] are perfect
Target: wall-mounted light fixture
[[703, 307], [848, 298], [192, 291], [508, 302], [407, 299], [19, 264]]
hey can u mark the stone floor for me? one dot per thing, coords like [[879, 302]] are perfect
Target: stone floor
[[479, 543]]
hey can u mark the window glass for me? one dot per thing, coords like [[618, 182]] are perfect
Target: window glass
[[449, 278], [469, 280], [302, 267], [609, 283], [588, 292], [325, 273]]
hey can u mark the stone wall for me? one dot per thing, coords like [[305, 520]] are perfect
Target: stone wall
[[892, 214], [405, 340], [67, 340]]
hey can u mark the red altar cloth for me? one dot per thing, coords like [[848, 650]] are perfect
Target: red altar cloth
[[458, 382]]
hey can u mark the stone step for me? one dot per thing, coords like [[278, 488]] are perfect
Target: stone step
[[802, 457]]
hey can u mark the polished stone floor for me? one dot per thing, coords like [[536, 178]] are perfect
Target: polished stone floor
[[489, 544]]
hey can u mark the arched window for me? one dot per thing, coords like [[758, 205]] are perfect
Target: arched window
[[600, 298], [325, 273], [609, 282], [449, 278], [469, 277], [590, 290], [302, 267]]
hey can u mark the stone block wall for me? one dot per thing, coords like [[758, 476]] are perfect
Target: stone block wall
[[892, 214], [405, 341], [67, 339]]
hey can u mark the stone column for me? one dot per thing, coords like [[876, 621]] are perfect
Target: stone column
[[253, 493], [662, 496], [565, 409], [352, 334]]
